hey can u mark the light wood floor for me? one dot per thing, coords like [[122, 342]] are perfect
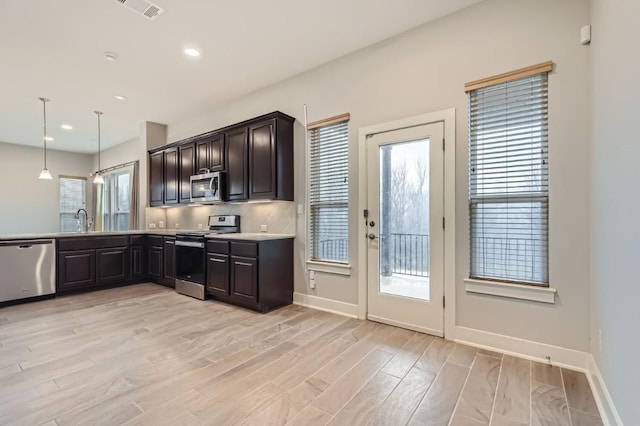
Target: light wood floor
[[146, 355]]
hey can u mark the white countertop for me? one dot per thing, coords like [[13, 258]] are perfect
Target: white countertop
[[251, 236], [260, 236]]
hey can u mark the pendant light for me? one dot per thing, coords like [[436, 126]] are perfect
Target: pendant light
[[45, 174], [98, 179]]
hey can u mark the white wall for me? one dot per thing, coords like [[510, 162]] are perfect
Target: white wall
[[425, 70], [119, 154], [28, 204], [615, 205]]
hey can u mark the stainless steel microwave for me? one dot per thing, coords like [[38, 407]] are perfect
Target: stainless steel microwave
[[207, 187]]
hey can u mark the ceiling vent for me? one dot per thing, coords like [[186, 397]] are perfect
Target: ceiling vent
[[143, 7]]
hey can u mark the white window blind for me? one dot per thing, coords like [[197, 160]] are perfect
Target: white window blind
[[329, 192], [72, 198], [508, 181]]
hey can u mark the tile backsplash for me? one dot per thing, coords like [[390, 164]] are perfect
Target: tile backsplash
[[279, 216]]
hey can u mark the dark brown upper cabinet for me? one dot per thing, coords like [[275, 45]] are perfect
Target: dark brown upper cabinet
[[237, 164], [187, 156], [171, 176], [262, 160], [257, 156], [156, 179], [271, 158], [210, 153]]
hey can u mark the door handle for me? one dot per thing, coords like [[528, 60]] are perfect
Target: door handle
[[372, 237]]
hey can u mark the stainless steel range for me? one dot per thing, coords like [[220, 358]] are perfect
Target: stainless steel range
[[191, 255]]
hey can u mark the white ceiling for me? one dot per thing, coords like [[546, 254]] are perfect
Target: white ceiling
[[55, 49]]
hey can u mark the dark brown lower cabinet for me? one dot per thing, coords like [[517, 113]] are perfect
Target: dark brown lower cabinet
[[218, 274], [112, 265], [154, 263], [76, 269], [137, 262], [256, 275], [169, 261], [244, 279]]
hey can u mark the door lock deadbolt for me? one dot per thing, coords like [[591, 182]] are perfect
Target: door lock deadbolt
[[372, 224]]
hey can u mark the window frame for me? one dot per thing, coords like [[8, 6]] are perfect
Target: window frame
[[501, 286], [318, 264], [84, 204], [110, 192]]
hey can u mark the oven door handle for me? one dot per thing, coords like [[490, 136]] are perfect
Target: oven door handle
[[189, 244]]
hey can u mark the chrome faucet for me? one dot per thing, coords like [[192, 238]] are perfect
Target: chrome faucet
[[87, 219]]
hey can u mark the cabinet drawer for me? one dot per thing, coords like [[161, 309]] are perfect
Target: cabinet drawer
[[244, 249], [72, 244], [218, 246], [109, 242], [154, 240], [137, 240]]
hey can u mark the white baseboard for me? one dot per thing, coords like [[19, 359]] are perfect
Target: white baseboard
[[328, 305], [536, 351], [607, 408]]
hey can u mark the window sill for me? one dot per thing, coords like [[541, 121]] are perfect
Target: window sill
[[329, 268], [513, 291]]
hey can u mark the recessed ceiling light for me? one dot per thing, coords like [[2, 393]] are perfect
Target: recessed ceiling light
[[67, 126], [190, 51], [49, 139], [120, 97], [110, 56]]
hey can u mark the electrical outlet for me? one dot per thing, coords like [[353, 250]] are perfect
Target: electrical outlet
[[263, 228], [177, 225], [161, 224], [312, 279], [300, 208], [199, 226], [152, 226]]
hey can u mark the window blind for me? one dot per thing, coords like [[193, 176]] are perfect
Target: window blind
[[72, 198], [509, 181], [329, 192]]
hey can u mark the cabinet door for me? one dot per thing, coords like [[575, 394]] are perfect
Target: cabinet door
[[244, 278], [76, 269], [202, 154], [210, 153], [171, 176], [187, 168], [262, 160], [156, 178], [154, 263], [137, 262], [169, 259], [216, 153], [237, 164], [218, 274], [112, 264]]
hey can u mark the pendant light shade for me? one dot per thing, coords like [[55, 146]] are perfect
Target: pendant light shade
[[98, 179], [45, 174]]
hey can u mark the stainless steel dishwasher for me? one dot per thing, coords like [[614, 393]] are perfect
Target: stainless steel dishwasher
[[27, 268]]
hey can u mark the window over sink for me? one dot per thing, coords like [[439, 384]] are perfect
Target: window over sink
[[73, 196], [115, 200]]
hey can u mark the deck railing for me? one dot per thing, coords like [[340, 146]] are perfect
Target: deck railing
[[409, 254]]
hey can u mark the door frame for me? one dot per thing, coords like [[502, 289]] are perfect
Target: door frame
[[448, 118]]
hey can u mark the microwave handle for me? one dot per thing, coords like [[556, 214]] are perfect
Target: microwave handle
[[213, 185]]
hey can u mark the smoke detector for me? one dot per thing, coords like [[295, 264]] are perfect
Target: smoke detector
[[143, 7]]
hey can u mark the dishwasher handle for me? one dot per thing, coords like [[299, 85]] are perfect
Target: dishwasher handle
[[24, 244]]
